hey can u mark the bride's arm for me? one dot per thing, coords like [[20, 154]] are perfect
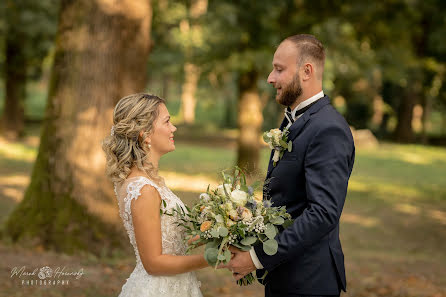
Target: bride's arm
[[147, 226]]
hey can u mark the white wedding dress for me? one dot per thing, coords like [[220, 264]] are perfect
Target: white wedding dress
[[140, 283]]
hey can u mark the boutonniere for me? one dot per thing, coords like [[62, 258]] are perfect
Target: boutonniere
[[278, 141]]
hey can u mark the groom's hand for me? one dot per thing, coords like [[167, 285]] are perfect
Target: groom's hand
[[241, 263]]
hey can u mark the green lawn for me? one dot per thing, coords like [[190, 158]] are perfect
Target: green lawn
[[393, 227]]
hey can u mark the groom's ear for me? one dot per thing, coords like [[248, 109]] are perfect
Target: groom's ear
[[308, 71]]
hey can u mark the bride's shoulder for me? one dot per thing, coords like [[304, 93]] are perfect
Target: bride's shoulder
[[137, 183]]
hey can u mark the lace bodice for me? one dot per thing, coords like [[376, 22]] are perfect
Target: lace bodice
[[140, 283]]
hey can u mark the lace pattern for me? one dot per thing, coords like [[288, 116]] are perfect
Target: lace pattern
[[140, 283]]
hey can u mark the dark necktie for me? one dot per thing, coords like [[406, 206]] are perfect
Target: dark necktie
[[289, 115], [299, 111]]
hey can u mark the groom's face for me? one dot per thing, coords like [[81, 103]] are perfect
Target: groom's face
[[285, 76]]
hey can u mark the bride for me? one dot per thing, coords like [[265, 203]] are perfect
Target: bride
[[141, 134]]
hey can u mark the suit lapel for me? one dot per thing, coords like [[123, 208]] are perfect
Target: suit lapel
[[297, 127], [299, 124]]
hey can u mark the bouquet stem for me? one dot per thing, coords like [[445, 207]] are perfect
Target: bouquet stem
[[246, 280]]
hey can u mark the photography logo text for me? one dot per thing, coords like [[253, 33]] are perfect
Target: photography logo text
[[45, 276]]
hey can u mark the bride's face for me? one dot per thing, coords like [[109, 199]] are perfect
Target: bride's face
[[161, 140]]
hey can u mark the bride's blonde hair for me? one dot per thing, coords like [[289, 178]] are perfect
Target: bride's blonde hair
[[124, 148]]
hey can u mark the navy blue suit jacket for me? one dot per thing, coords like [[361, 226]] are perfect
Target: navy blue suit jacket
[[311, 181]]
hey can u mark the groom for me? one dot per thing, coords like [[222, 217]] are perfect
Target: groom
[[311, 181]]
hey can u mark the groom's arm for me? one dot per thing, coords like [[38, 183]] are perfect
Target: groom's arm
[[327, 167]]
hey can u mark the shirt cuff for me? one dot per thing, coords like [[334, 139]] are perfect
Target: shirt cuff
[[254, 259]]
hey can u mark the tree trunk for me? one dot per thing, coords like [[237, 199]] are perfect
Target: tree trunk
[[191, 71], [101, 51], [250, 120], [404, 131], [13, 119], [188, 100], [427, 106]]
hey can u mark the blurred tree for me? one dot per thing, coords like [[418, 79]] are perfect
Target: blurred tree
[[241, 38], [193, 37], [101, 50], [165, 65], [30, 27], [407, 59]]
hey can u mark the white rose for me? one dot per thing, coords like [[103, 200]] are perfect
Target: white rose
[[239, 197], [246, 214], [205, 197], [221, 192], [276, 156]]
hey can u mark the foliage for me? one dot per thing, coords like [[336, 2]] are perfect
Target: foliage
[[33, 24], [232, 214]]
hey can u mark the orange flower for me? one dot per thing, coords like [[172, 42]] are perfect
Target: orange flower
[[205, 226], [202, 207]]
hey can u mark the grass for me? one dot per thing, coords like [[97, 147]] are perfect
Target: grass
[[393, 226]]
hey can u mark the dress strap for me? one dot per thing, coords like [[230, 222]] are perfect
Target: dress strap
[[134, 191]]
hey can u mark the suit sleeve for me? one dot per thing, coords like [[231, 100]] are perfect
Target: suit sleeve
[[327, 166]]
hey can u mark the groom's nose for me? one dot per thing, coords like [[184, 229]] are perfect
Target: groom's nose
[[271, 78]]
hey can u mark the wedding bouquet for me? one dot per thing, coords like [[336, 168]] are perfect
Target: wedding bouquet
[[231, 214]]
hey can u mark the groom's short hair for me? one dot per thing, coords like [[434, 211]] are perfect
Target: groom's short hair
[[309, 49]]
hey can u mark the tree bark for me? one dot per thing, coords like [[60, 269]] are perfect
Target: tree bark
[[188, 100], [13, 119], [101, 51], [191, 71], [250, 119], [404, 132]]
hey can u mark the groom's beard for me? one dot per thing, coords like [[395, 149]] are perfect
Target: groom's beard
[[291, 92]]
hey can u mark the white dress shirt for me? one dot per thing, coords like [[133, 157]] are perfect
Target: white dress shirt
[[301, 105]]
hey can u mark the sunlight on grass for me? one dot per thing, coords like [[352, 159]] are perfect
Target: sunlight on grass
[[416, 158], [407, 209], [16, 151], [438, 215], [412, 153], [363, 221], [15, 180], [186, 182], [384, 190]]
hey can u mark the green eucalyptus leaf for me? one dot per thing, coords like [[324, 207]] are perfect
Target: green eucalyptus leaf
[[221, 257], [210, 255], [242, 247], [212, 245], [277, 221], [248, 240], [287, 223], [270, 231], [215, 233], [227, 254], [270, 247], [223, 232]]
